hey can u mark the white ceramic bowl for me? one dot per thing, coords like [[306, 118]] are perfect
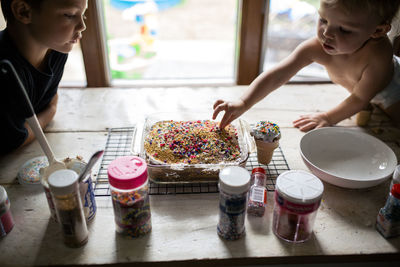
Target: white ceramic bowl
[[347, 158]]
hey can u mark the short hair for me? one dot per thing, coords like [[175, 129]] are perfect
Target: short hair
[[6, 7], [384, 10]]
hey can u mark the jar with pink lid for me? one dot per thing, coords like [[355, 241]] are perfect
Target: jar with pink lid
[[129, 188]]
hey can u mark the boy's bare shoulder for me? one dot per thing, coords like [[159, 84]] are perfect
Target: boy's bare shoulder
[[377, 50]]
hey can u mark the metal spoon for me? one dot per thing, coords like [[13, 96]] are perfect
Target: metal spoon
[[6, 68], [93, 159]]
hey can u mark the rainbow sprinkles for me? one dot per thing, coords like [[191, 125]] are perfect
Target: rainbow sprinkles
[[266, 131], [192, 142]]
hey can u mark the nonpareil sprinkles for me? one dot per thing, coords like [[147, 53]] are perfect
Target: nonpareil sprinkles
[[192, 142]]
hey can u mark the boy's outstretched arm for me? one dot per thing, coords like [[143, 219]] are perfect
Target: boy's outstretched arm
[[267, 82], [44, 119]]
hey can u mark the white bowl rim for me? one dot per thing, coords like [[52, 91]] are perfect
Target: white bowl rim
[[342, 130]]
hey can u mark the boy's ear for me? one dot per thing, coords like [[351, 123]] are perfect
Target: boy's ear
[[21, 11], [381, 30]]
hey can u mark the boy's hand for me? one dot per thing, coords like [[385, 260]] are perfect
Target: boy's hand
[[312, 121], [232, 111]]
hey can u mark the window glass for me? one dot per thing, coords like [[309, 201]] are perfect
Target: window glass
[[171, 39], [74, 71], [290, 23]]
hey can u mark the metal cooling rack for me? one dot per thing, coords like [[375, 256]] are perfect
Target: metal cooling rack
[[119, 142]]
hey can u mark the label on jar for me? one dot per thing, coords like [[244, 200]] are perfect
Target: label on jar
[[258, 194], [295, 207], [235, 206], [232, 216], [88, 198]]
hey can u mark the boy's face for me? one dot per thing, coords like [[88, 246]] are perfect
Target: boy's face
[[341, 33], [59, 24]]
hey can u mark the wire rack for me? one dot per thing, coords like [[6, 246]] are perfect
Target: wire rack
[[119, 143]]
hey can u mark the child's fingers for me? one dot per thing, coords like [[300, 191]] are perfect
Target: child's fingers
[[301, 119], [226, 119], [218, 108], [299, 122], [217, 103], [308, 127]]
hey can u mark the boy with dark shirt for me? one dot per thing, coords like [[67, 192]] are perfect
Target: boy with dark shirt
[[38, 36]]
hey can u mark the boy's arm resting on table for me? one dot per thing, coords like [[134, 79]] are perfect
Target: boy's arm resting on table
[[44, 118], [267, 82]]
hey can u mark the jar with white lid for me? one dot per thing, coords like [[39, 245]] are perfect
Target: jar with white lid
[[64, 188], [297, 198], [395, 177], [234, 183], [129, 187]]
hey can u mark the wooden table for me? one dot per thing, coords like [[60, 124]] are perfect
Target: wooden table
[[184, 225]]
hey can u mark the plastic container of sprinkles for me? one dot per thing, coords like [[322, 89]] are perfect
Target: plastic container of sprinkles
[[85, 187], [234, 183], [297, 198], [6, 219], [129, 188]]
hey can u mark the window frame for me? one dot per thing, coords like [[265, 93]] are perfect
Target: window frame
[[253, 17]]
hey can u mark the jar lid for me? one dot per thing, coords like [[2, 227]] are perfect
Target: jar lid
[[258, 169], [299, 187], [63, 181], [127, 172], [395, 191], [3, 195], [234, 180], [396, 173]]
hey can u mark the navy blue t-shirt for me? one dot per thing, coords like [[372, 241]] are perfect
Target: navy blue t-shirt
[[41, 87]]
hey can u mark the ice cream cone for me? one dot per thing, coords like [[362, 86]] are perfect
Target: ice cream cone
[[265, 150]]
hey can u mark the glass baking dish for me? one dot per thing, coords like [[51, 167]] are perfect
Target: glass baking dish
[[188, 173]]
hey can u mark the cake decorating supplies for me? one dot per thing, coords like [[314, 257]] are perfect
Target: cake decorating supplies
[[258, 193], [6, 219], [129, 187], [29, 173], [85, 188], [388, 220], [395, 177], [233, 185], [297, 198], [88, 167], [64, 188], [266, 135]]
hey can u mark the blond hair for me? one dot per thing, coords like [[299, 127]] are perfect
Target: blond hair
[[383, 10]]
